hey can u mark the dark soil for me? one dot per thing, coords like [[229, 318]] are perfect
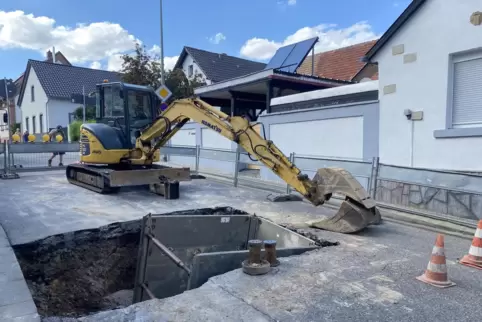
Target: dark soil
[[71, 274], [82, 272], [311, 235]]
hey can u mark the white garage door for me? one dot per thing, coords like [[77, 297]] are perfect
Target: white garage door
[[213, 140], [341, 137], [184, 137]]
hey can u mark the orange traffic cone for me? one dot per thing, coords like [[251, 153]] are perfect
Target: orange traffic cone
[[436, 272], [474, 257]]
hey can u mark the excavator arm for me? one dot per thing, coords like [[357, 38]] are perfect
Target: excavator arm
[[357, 210]]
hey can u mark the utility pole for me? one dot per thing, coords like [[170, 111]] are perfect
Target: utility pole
[[83, 97], [8, 111], [162, 49]]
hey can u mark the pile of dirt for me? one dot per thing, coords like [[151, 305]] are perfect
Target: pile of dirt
[[82, 272]]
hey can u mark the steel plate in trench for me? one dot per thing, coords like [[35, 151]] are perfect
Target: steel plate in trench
[[209, 243]]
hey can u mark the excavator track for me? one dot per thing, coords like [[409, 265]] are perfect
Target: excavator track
[[92, 178]]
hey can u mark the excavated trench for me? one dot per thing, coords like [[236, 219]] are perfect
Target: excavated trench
[[81, 272], [84, 272]]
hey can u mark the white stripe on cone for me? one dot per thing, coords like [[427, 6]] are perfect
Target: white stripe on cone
[[437, 268], [475, 251], [438, 251], [478, 233]]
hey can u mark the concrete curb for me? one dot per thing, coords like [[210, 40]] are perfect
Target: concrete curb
[[423, 220]]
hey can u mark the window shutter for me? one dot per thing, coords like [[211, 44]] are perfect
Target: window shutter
[[467, 93]]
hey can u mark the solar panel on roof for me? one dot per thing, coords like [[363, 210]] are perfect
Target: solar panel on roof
[[289, 58], [298, 54], [279, 57]]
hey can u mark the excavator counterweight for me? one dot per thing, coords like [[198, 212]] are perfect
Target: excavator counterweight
[[357, 210]]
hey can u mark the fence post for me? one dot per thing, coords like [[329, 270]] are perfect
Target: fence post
[[372, 184], [5, 152], [236, 165], [168, 156], [292, 160], [10, 162], [198, 155]]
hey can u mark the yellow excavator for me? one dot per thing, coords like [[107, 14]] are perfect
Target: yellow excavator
[[123, 147]]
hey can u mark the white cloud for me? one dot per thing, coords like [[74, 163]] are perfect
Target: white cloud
[[284, 3], [330, 37], [96, 65], [169, 62], [217, 38], [82, 43], [114, 62]]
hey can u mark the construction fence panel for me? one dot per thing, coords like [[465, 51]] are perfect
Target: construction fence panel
[[439, 179], [218, 161], [361, 170], [246, 158], [183, 155], [35, 156], [442, 193]]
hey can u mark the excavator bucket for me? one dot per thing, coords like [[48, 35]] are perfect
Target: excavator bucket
[[357, 210]]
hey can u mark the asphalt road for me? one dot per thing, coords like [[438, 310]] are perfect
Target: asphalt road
[[368, 277]]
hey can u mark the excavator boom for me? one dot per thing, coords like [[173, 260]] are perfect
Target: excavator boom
[[357, 211]]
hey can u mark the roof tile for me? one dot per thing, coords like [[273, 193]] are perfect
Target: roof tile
[[343, 63], [60, 81], [220, 67]]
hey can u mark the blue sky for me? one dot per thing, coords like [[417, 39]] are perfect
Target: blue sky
[[94, 33]]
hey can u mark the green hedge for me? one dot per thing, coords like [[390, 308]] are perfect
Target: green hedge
[[74, 129]]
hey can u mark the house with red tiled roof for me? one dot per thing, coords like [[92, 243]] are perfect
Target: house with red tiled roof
[[343, 64]]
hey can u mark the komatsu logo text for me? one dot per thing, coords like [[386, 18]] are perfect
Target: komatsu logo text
[[214, 127]]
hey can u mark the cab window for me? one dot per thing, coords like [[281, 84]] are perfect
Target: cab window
[[113, 102], [139, 106]]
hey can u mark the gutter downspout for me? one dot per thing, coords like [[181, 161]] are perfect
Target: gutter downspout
[[47, 118], [412, 130]]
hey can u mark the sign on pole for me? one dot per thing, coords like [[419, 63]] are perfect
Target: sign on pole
[[163, 107], [163, 93]]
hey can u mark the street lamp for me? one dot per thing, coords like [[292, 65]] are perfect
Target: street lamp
[[162, 49]]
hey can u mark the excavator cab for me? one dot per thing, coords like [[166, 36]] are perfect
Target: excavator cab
[[126, 108]]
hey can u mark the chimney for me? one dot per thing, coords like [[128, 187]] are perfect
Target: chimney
[[49, 56], [53, 55]]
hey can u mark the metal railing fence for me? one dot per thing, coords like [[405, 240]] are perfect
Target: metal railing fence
[[18, 157]]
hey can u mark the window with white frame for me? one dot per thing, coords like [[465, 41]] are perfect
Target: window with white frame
[[41, 123], [190, 70], [32, 93], [34, 124], [467, 90]]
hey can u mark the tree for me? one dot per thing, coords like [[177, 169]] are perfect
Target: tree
[[89, 113], [145, 69]]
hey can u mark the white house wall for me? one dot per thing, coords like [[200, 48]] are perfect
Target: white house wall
[[414, 74], [58, 112], [184, 137], [341, 131], [321, 137], [193, 134], [189, 61], [37, 107], [213, 140]]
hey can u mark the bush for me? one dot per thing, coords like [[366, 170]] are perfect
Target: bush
[[14, 127], [74, 129]]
